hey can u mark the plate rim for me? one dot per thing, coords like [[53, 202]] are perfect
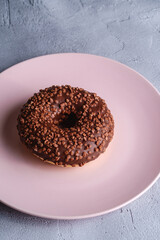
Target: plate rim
[[87, 215], [86, 54], [96, 213]]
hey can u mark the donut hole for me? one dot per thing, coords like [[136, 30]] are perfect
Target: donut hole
[[69, 120]]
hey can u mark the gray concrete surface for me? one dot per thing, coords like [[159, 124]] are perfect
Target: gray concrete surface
[[124, 30]]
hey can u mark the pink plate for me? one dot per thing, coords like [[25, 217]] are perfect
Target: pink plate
[[130, 165]]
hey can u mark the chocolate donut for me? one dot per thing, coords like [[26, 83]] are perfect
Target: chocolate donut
[[65, 126]]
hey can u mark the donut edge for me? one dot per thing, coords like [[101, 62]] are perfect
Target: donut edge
[[53, 163]]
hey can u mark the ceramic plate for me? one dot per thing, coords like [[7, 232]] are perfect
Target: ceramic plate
[[130, 164]]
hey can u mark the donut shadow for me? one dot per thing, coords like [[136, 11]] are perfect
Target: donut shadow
[[12, 141]]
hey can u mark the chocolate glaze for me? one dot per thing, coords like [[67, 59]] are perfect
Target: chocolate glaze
[[66, 125]]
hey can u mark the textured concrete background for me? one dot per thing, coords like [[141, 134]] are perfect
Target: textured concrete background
[[125, 30]]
